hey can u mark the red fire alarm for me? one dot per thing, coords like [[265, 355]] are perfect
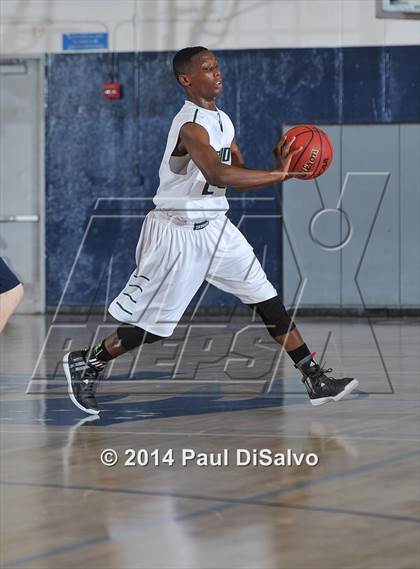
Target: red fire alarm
[[111, 90]]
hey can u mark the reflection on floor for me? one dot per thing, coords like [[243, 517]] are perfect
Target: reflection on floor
[[358, 507]]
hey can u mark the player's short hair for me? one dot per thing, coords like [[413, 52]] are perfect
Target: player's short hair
[[182, 59]]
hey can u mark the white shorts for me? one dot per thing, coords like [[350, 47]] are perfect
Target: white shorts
[[173, 260]]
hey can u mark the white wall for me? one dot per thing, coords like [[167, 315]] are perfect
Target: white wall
[[36, 26]]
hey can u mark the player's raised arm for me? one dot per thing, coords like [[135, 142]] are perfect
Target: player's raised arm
[[196, 141]]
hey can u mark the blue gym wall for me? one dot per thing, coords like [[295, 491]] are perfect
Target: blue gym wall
[[97, 148]]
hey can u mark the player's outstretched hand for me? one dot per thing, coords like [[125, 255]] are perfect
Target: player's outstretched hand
[[283, 154]]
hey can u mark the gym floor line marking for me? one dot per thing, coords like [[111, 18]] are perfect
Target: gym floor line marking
[[227, 502], [94, 431], [303, 484], [339, 511]]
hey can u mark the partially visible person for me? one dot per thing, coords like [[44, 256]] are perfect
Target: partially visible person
[[11, 293]]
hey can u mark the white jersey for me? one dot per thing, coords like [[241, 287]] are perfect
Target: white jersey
[[183, 191]]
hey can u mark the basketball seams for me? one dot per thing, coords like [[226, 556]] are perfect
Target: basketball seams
[[293, 165], [327, 138], [315, 172], [300, 131], [324, 138]]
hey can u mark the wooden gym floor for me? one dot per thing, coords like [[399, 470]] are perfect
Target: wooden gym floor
[[358, 508]]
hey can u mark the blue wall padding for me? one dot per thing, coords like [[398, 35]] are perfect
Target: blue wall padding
[[97, 148]]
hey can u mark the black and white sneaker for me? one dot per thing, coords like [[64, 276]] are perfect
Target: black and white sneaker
[[82, 380], [322, 388]]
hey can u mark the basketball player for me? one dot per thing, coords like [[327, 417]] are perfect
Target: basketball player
[[11, 293], [188, 239]]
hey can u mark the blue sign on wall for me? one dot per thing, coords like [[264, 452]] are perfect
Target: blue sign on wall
[[85, 41]]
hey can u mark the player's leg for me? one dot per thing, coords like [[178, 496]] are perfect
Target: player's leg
[[11, 293], [9, 301], [83, 368], [239, 272], [168, 274], [321, 388]]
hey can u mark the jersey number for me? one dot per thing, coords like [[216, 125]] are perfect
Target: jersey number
[[207, 192]]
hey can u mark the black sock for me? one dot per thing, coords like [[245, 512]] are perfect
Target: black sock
[[99, 356], [300, 353]]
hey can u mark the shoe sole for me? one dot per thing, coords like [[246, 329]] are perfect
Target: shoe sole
[[70, 387], [348, 389]]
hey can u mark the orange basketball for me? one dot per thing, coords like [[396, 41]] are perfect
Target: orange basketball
[[316, 155]]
